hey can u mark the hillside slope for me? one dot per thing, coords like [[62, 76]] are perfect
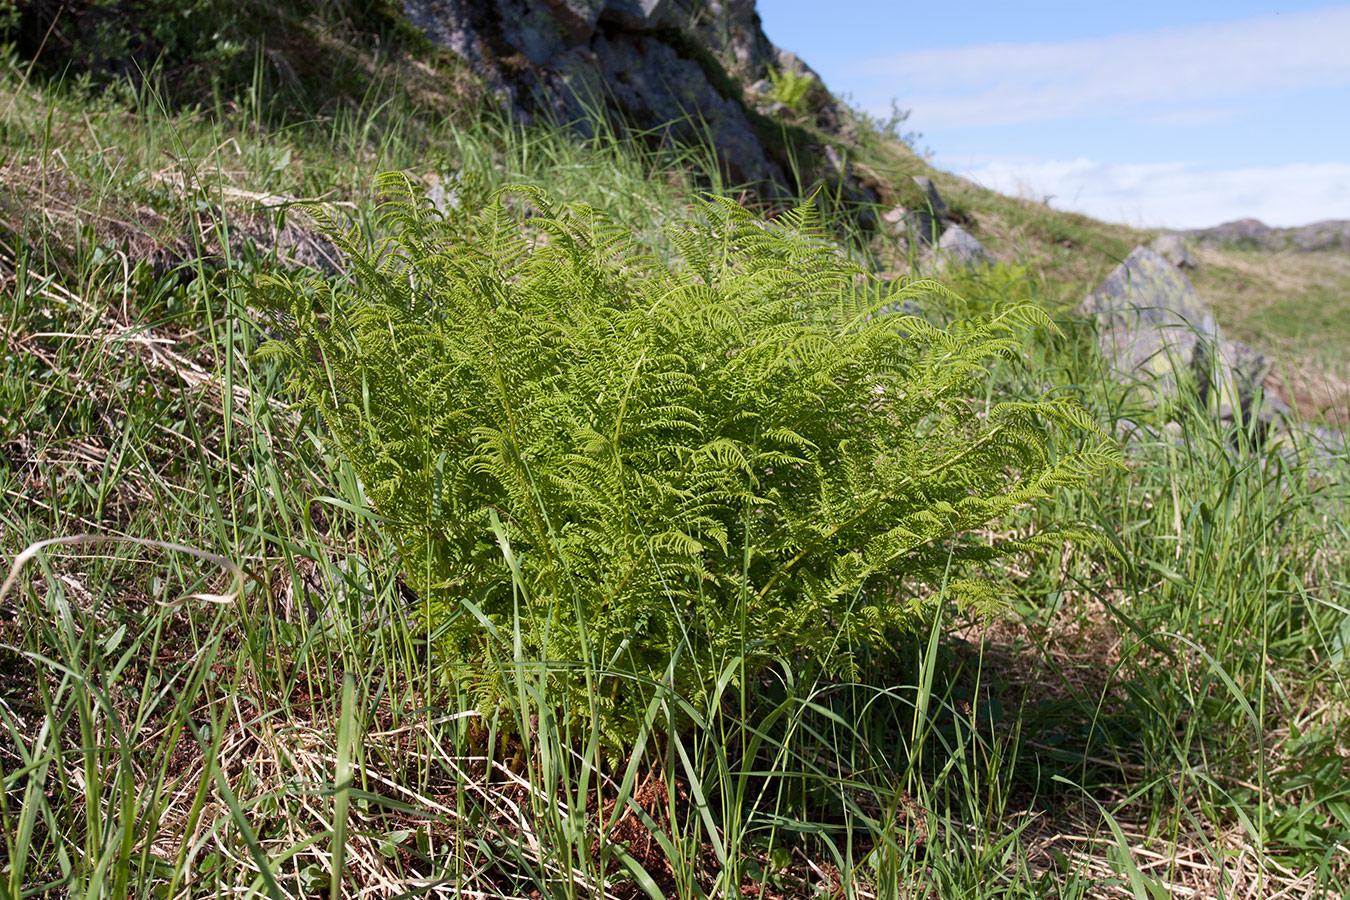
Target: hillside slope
[[672, 73], [219, 675]]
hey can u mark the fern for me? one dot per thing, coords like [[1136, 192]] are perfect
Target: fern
[[734, 455], [791, 88]]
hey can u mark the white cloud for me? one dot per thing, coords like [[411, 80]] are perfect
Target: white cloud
[[997, 84], [1176, 195]]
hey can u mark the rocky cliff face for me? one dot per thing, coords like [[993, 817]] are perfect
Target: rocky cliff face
[[693, 70]]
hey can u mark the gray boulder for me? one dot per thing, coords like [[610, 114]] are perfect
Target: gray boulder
[[1174, 249], [923, 222], [1147, 290], [1155, 331], [958, 247]]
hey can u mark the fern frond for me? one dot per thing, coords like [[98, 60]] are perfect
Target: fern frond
[[640, 430]]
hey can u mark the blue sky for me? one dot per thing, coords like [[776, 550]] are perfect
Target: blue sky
[[1174, 114]]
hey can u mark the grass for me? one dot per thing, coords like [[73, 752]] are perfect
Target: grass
[[230, 692], [1290, 305]]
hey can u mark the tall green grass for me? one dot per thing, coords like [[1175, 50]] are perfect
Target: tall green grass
[[1167, 719]]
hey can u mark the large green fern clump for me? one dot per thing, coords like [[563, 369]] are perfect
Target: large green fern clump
[[586, 454]]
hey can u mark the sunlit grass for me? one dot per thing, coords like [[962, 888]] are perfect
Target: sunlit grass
[[1167, 720]]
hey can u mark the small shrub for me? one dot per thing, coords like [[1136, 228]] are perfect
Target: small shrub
[[110, 39], [659, 470], [889, 129]]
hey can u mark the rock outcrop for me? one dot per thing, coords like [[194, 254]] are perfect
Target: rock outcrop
[[925, 221], [1156, 332], [1251, 234], [958, 247], [925, 227], [704, 72], [672, 68], [1174, 248]]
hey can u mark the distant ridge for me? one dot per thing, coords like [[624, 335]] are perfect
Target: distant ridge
[[1331, 234]]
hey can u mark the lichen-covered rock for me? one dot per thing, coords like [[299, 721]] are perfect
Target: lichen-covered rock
[[1155, 331], [1173, 248], [1163, 362], [1148, 290]]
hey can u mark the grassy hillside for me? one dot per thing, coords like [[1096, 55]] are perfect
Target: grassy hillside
[[223, 680], [1288, 304]]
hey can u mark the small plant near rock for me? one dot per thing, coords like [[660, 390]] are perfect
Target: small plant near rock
[[791, 88], [645, 473]]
